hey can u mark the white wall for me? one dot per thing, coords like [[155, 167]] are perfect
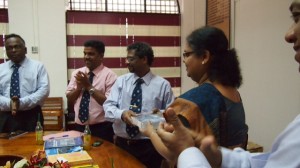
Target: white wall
[[271, 81], [192, 17], [43, 24], [270, 91]]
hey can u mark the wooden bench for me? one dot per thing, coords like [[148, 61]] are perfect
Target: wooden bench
[[53, 113]]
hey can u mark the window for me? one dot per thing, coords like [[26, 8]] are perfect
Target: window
[[3, 4], [133, 6]]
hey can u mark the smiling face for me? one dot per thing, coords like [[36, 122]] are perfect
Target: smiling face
[[196, 66], [15, 49], [293, 34], [92, 58]]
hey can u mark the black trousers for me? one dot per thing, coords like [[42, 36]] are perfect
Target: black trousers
[[142, 149], [24, 120], [102, 130]]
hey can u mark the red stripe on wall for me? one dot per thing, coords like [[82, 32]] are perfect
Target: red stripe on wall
[[1, 41], [3, 19], [122, 41], [175, 82], [120, 18], [74, 63], [4, 15]]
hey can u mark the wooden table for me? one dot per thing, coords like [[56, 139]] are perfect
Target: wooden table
[[25, 146]]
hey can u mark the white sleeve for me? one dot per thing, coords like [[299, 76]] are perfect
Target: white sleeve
[[241, 158], [192, 158]]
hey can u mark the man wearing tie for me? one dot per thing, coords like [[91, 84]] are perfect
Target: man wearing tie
[[88, 88], [24, 85], [137, 92]]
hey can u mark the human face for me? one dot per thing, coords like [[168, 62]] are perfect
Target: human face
[[15, 49], [293, 34], [92, 58], [194, 67], [133, 62]]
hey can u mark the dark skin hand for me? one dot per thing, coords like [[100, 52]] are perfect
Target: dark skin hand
[[126, 116], [83, 81], [14, 103]]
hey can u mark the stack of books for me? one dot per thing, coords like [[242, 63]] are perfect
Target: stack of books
[[67, 149]]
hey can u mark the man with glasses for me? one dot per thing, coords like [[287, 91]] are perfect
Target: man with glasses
[[24, 85], [139, 91]]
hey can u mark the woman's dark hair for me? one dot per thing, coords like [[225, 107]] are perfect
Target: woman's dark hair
[[98, 45], [224, 66], [142, 49]]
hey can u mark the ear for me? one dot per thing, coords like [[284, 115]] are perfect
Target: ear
[[145, 60], [206, 57]]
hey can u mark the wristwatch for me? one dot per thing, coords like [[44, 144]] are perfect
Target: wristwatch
[[92, 91]]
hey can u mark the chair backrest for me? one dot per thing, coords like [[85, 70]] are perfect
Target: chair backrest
[[70, 117], [53, 113]]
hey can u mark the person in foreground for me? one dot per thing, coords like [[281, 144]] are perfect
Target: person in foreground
[[285, 149], [91, 85], [24, 85], [137, 92]]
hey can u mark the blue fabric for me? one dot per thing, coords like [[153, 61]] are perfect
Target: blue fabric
[[135, 106], [15, 82], [211, 103], [209, 100], [85, 101]]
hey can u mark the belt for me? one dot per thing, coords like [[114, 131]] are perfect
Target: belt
[[131, 141]]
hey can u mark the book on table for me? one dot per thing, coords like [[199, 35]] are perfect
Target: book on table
[[63, 142], [74, 159], [55, 146]]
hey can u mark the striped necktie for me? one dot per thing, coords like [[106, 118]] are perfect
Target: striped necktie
[[15, 82], [135, 106], [85, 101]]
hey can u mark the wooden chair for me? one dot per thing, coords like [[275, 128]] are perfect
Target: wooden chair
[[70, 117], [53, 114]]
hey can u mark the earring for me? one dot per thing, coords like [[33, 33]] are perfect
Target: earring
[[203, 62]]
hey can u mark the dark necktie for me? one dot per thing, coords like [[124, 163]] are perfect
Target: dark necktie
[[135, 106], [14, 83], [84, 103]]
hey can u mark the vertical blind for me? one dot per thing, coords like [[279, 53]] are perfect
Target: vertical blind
[[3, 31]]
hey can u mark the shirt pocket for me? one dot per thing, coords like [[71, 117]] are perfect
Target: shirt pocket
[[29, 84]]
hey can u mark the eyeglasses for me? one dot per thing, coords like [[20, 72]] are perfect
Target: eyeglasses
[[130, 59], [187, 54]]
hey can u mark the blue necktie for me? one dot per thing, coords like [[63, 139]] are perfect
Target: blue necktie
[[84, 103], [15, 83], [135, 106]]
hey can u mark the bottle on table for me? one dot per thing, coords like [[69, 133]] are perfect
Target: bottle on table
[[39, 132], [87, 138]]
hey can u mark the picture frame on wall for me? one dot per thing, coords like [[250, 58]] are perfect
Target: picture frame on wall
[[218, 14]]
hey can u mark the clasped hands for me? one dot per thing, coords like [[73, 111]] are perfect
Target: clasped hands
[[14, 105], [82, 81]]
